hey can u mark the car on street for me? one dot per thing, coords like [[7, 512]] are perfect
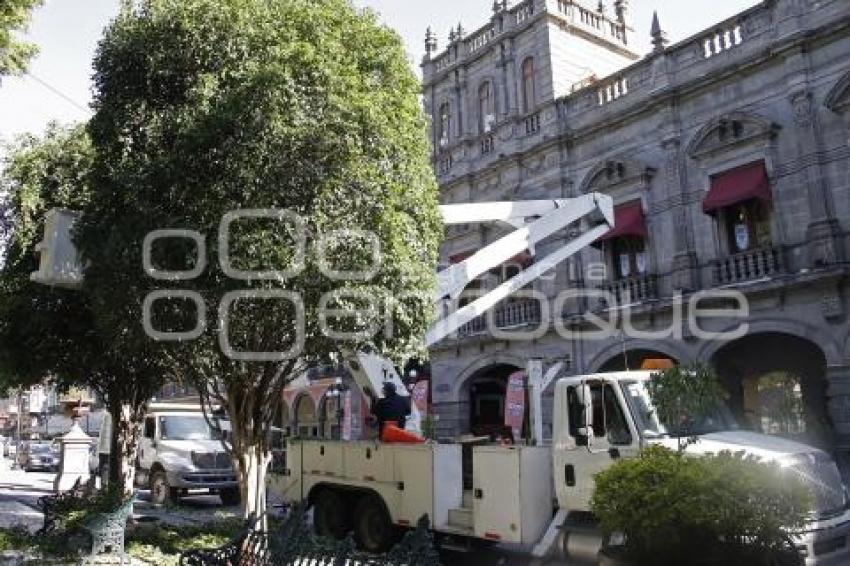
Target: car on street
[[38, 456]]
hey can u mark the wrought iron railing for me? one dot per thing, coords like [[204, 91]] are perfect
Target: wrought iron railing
[[513, 313], [632, 289]]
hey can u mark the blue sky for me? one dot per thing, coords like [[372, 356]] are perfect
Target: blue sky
[[67, 32]]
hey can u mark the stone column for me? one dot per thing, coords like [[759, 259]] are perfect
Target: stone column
[[73, 458], [823, 230], [684, 276], [838, 406]]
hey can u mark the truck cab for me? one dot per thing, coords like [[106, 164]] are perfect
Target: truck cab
[[179, 451], [603, 417]]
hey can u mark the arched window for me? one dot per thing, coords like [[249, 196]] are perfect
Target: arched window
[[486, 107], [445, 124], [529, 95]]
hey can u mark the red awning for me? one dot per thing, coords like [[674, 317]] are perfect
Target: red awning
[[737, 185], [628, 221]]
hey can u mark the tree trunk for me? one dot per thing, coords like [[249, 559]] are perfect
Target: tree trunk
[[252, 466], [126, 421]]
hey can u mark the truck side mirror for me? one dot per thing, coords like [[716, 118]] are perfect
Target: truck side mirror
[[585, 397]]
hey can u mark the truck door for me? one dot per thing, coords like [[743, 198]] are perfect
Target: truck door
[[601, 432], [147, 443]]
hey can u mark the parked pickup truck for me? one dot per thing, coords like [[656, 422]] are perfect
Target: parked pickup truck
[[535, 495], [179, 451]]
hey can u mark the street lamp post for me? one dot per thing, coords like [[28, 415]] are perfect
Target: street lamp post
[[336, 391]]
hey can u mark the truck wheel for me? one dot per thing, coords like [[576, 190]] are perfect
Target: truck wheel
[[330, 515], [230, 496], [161, 492], [373, 528]]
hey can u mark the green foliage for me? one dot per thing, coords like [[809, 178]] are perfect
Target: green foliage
[[205, 107], [677, 509], [43, 330], [56, 332], [14, 538], [429, 426], [76, 512], [150, 543], [162, 544], [15, 54], [683, 395]]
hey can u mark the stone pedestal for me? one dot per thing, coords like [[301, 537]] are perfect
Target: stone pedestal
[[73, 459], [684, 272]]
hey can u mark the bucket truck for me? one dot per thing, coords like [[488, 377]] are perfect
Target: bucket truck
[[537, 494]]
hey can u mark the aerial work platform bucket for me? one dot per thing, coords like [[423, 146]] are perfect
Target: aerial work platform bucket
[[394, 435]]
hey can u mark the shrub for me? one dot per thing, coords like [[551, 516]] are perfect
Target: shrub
[[677, 509]]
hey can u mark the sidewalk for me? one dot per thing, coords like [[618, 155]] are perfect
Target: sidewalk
[[13, 512]]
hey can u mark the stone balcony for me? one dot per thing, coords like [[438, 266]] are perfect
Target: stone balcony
[[510, 314], [632, 289], [749, 266]]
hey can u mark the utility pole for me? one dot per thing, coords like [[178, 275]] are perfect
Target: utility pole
[[20, 416]]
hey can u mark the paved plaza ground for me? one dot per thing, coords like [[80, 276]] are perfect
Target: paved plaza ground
[[19, 492]]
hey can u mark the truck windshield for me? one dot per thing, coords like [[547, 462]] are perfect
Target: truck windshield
[[186, 427], [650, 426]]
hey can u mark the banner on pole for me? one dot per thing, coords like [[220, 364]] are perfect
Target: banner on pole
[[515, 403], [420, 396], [346, 416]]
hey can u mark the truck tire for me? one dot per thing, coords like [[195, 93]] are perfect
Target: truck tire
[[373, 528], [230, 496], [331, 515], [161, 492]]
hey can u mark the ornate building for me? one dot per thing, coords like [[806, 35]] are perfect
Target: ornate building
[[728, 157]]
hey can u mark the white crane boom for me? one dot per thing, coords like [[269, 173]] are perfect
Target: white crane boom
[[534, 221]]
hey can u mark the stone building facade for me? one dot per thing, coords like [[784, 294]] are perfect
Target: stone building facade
[[728, 158]]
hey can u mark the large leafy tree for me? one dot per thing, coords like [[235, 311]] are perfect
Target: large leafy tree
[[55, 333], [37, 323], [14, 53], [204, 107]]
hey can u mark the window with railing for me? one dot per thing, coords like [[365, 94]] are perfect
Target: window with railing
[[629, 256], [445, 124], [739, 200], [445, 164], [532, 124], [488, 145]]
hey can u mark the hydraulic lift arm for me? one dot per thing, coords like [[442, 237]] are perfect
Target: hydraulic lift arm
[[534, 221]]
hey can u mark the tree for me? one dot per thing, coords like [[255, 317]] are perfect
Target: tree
[[15, 54], [205, 107], [684, 396], [53, 332]]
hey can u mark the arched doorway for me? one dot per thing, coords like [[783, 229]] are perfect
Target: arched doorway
[[777, 385], [487, 399], [306, 425], [632, 359]]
